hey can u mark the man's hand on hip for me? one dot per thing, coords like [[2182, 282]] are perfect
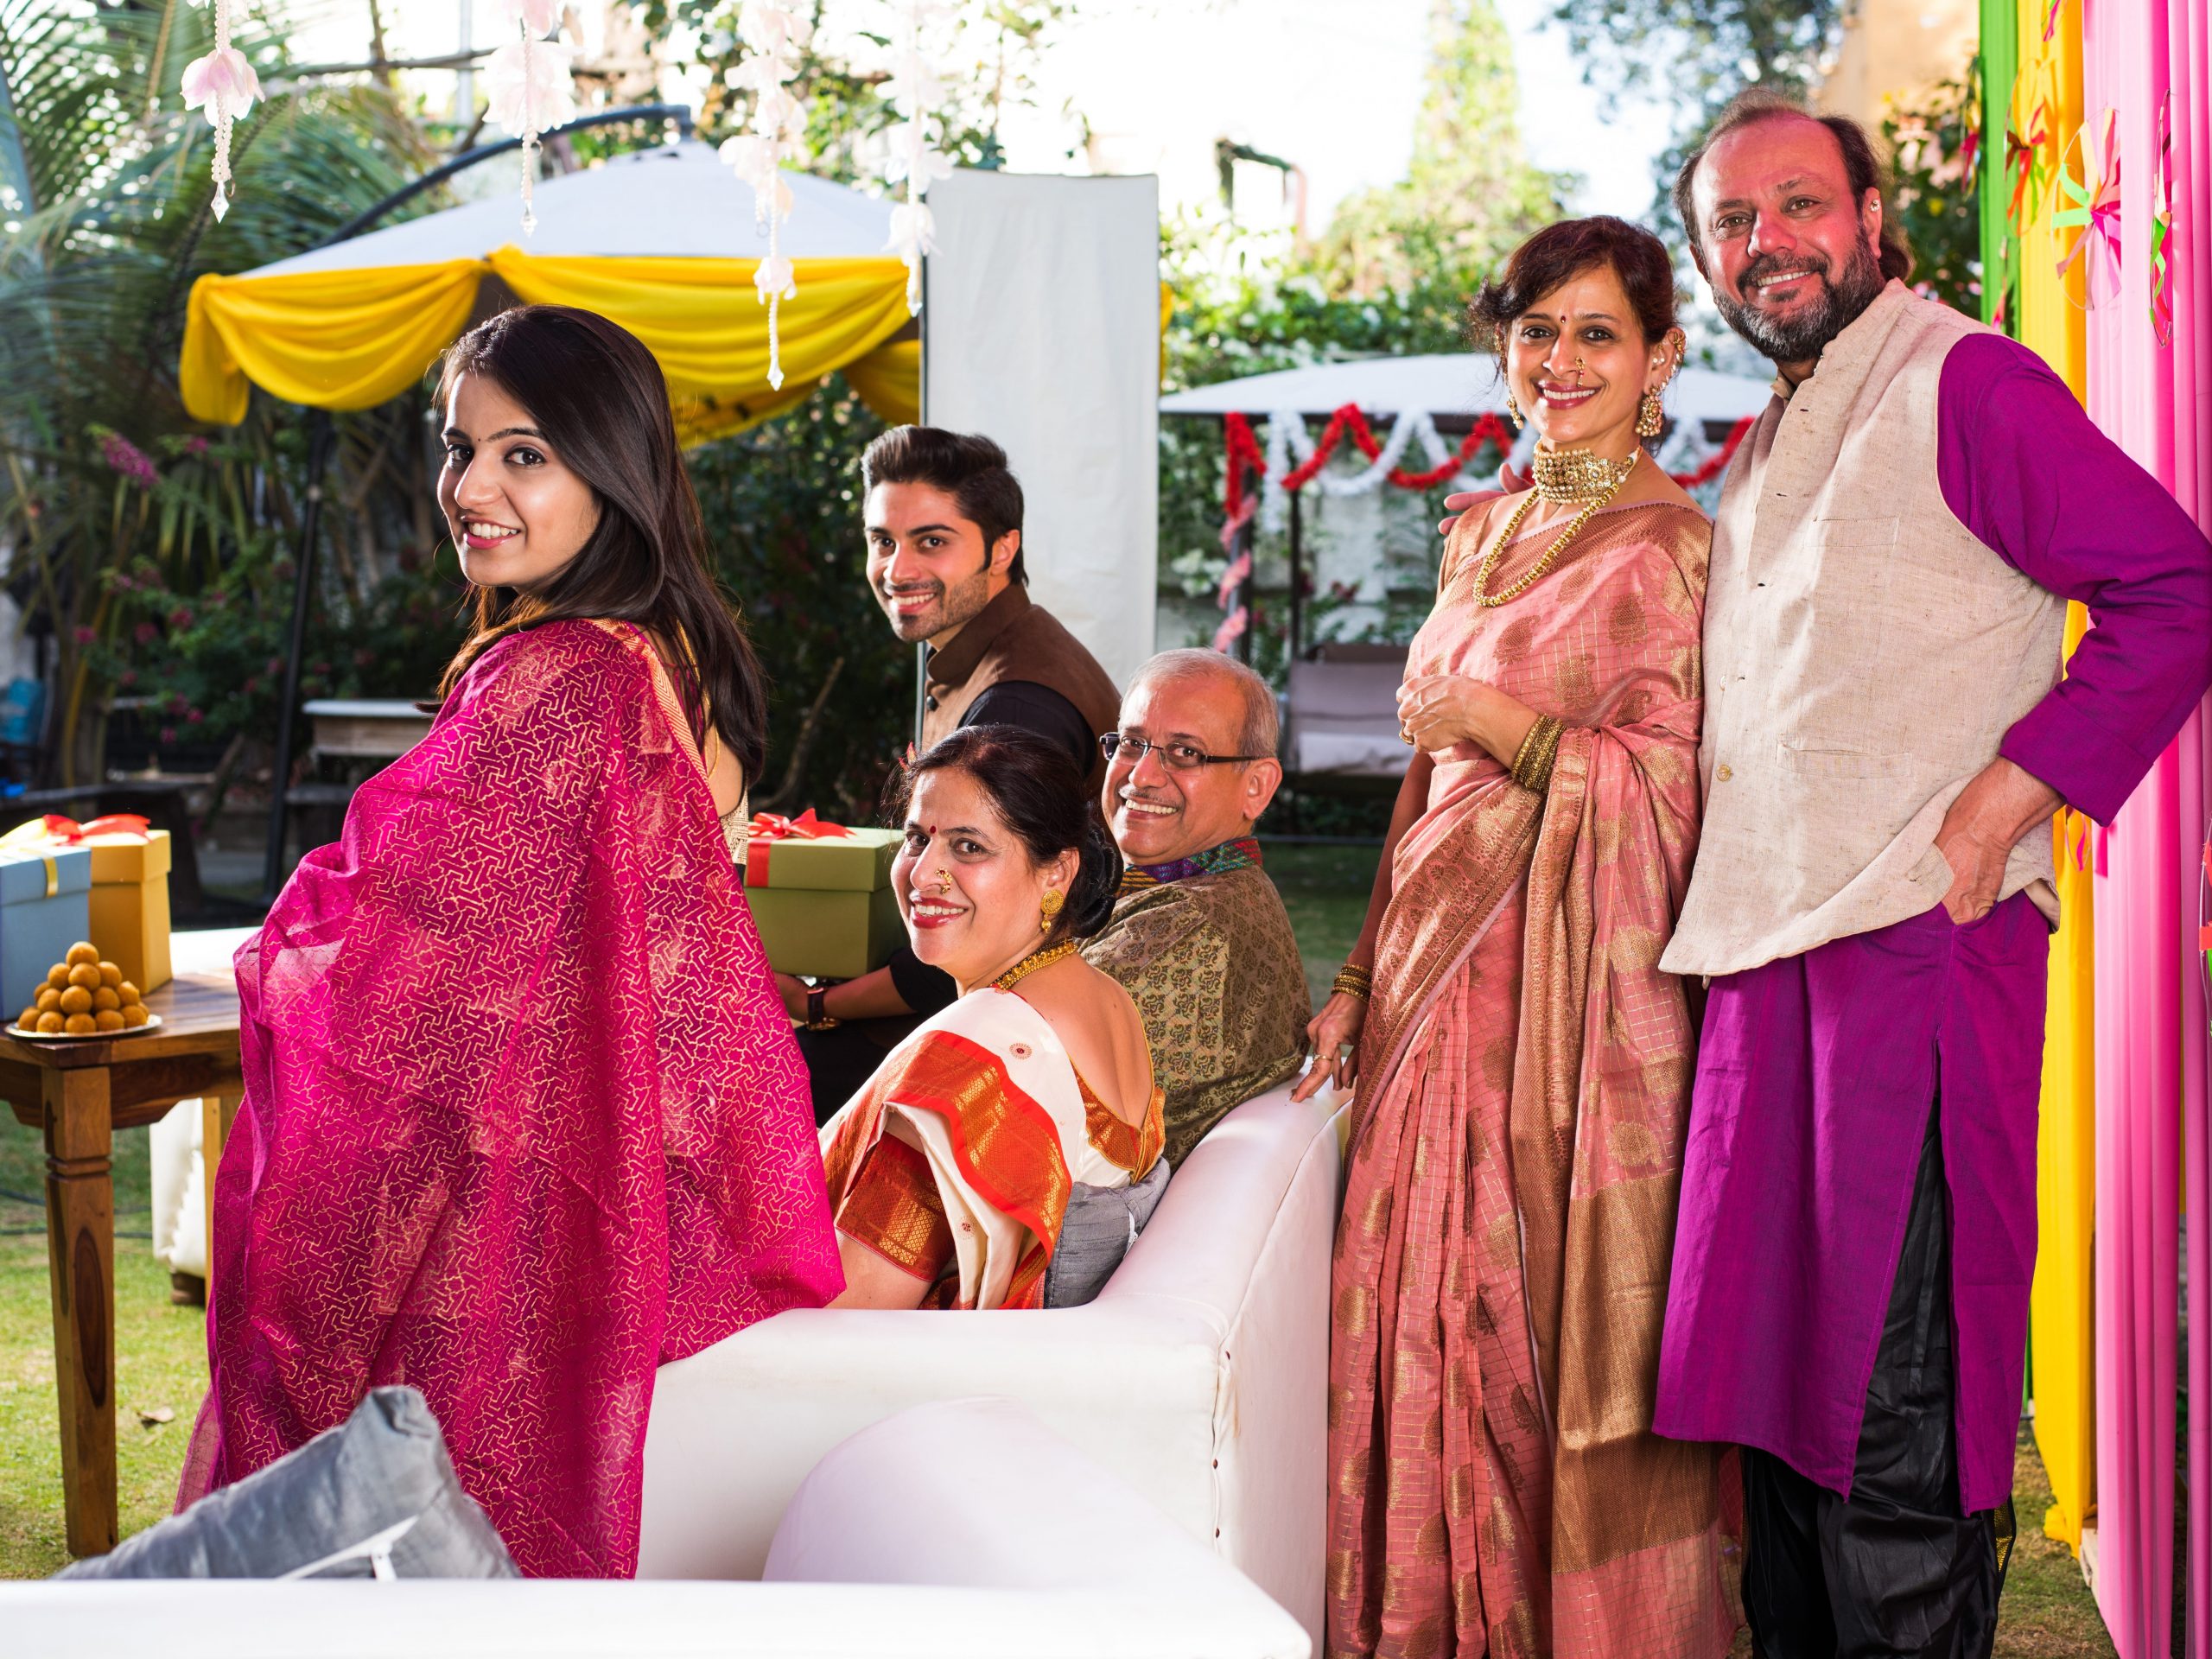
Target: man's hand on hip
[[1999, 806]]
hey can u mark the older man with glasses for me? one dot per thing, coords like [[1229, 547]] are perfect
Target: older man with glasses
[[1199, 938]]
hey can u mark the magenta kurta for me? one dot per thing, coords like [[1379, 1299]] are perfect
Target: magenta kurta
[[523, 1116], [1816, 1072]]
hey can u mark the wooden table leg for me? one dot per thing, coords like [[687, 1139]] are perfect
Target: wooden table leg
[[217, 1113], [81, 1252]]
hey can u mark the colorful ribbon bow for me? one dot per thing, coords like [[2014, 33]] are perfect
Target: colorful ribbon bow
[[55, 831], [774, 826], [2162, 226], [2095, 213], [2024, 163]]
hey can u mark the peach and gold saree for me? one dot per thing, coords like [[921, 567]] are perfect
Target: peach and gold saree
[[1523, 1100]]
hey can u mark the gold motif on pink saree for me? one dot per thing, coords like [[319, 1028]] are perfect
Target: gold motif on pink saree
[[1516, 1148]]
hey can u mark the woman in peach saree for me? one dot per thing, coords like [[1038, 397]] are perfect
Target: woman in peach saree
[[1522, 1070]]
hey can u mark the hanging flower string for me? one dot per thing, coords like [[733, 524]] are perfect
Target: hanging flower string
[[916, 90], [774, 33], [528, 87], [224, 86]]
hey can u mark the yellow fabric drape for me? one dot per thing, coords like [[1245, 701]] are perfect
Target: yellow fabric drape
[[2052, 322], [345, 340], [329, 338], [889, 381]]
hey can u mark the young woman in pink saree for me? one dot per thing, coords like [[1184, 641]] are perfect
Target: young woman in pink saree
[[1523, 1070], [523, 1119]]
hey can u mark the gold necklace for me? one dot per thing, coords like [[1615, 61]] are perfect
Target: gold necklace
[[1030, 964], [1487, 599], [1564, 476]]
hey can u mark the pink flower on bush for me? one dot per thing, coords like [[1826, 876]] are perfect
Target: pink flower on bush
[[192, 716], [126, 458], [86, 633], [145, 633], [180, 617], [169, 735], [252, 684], [276, 667], [128, 679], [195, 446], [363, 657]]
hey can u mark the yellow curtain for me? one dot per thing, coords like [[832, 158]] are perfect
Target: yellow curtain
[[329, 338], [2047, 106], [345, 339], [889, 381]]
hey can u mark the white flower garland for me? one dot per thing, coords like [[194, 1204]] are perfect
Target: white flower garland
[[1290, 446], [776, 34], [917, 92], [223, 83], [528, 87]]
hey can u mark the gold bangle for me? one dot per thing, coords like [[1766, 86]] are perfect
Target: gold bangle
[[1353, 980], [1532, 763]]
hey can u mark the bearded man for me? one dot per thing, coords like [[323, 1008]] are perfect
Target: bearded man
[[942, 512], [1887, 738]]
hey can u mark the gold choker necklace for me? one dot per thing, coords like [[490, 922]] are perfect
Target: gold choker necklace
[[1617, 475], [1577, 475], [1030, 964]]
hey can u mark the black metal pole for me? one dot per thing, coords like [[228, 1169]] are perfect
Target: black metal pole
[[1297, 574], [280, 779]]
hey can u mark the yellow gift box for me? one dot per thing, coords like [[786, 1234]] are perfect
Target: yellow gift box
[[130, 904]]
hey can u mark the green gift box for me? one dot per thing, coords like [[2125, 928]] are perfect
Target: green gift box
[[822, 900], [826, 935]]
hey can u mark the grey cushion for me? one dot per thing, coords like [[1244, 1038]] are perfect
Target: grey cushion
[[1102, 1222], [375, 1496]]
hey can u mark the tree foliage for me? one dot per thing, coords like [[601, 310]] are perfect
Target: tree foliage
[[108, 226], [1701, 52], [1937, 199], [1469, 192]]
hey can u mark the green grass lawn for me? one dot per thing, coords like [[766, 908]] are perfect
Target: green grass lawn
[[161, 1354]]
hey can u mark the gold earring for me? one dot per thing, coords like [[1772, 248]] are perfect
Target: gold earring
[[1048, 909], [1649, 416], [1513, 409]]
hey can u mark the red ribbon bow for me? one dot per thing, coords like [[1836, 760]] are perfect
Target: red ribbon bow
[[769, 828], [54, 829]]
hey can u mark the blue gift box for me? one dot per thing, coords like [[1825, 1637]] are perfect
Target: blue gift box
[[45, 907]]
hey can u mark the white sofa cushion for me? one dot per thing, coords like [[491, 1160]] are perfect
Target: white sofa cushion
[[1199, 1374]]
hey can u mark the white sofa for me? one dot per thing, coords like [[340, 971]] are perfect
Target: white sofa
[[1199, 1374], [920, 1537]]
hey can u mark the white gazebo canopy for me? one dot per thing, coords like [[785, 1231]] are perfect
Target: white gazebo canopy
[[1443, 384], [677, 201]]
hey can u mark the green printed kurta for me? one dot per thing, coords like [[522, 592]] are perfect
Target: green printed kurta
[[1211, 964]]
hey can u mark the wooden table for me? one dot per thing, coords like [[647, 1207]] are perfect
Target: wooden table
[[79, 1094]]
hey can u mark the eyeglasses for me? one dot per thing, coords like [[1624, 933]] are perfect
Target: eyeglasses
[[1176, 757]]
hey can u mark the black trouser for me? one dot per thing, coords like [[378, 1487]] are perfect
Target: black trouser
[[1895, 1570]]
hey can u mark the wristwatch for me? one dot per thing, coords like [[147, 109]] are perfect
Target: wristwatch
[[816, 1018]]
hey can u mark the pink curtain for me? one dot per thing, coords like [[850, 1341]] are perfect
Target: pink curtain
[[2145, 74]]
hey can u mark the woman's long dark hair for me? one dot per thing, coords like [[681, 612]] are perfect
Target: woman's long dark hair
[[1041, 795], [596, 393]]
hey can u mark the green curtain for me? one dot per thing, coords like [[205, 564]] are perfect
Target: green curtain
[[1997, 65]]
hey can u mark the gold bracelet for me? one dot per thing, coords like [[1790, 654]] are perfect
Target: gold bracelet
[[1354, 981], [1532, 763]]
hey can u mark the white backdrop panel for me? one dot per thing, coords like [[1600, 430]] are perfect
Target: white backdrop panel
[[1042, 331]]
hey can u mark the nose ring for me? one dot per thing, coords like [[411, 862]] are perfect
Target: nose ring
[[942, 881]]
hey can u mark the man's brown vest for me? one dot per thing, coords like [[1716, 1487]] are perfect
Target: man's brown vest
[[1865, 654], [1012, 639]]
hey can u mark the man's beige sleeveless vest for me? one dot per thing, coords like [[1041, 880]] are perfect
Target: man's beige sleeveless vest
[[1863, 657]]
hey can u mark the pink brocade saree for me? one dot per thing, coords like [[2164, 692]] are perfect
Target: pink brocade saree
[[1524, 1097], [524, 1118]]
